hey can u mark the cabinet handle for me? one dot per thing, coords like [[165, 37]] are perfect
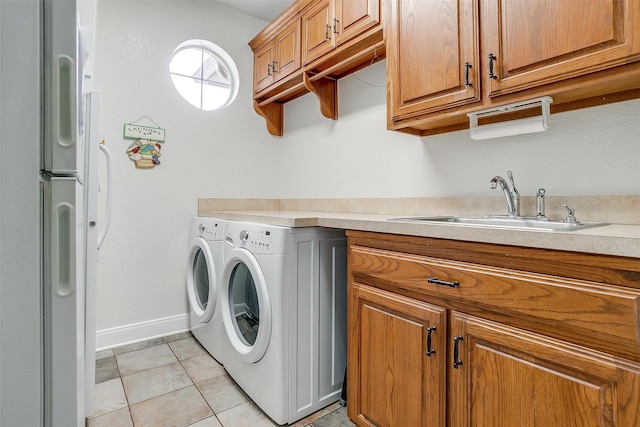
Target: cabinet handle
[[466, 74], [437, 281], [326, 32], [456, 359], [335, 25], [430, 351], [273, 66], [269, 69], [492, 57]]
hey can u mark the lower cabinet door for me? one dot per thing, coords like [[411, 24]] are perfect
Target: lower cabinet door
[[396, 360], [510, 377]]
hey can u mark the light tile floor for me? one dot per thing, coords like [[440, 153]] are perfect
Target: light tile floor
[[174, 382]]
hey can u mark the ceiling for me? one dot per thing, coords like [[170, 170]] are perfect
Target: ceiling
[[261, 9]]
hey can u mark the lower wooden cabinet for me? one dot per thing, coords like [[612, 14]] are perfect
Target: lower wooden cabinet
[[510, 377], [399, 346], [422, 354]]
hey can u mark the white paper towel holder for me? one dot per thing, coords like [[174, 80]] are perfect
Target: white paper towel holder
[[511, 127]]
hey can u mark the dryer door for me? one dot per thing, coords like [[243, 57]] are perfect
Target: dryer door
[[201, 280], [246, 307]]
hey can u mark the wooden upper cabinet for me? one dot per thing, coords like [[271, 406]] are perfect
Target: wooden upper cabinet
[[546, 41], [432, 55], [288, 50], [332, 22], [317, 31], [278, 58], [308, 48], [577, 52], [352, 17], [512, 377], [263, 75]]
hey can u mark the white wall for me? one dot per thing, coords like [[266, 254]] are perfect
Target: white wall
[[593, 151], [143, 260], [230, 154]]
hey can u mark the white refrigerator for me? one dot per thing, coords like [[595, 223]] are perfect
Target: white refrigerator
[[49, 225]]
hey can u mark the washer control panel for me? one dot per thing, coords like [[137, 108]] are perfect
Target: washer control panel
[[211, 230], [259, 239]]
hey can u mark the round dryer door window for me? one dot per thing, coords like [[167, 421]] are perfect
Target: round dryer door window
[[246, 307], [201, 280]]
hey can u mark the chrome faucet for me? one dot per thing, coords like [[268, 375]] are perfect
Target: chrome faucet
[[512, 197]]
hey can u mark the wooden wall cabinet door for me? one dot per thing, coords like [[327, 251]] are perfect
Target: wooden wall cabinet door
[[288, 50], [317, 31], [330, 23], [263, 75], [396, 359], [352, 17], [278, 58], [432, 55], [513, 377], [546, 41]]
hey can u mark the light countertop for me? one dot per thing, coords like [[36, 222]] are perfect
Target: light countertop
[[611, 239]]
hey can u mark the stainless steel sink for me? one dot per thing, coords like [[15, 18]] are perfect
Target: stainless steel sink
[[519, 223]]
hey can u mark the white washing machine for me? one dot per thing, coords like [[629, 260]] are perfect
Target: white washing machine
[[204, 270], [284, 313]]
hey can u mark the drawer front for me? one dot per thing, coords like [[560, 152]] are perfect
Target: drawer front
[[557, 302]]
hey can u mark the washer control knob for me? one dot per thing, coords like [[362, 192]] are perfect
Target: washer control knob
[[201, 227], [244, 235]]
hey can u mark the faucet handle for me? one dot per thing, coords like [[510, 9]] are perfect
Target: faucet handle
[[513, 184], [540, 204], [570, 215]]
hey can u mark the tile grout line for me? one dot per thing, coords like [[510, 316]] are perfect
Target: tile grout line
[[193, 383], [124, 390]]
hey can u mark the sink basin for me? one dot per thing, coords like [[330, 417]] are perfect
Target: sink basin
[[520, 223]]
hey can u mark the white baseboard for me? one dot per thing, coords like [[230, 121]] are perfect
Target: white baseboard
[[115, 337]]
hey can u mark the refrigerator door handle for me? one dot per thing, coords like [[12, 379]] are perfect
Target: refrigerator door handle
[[63, 250], [109, 204], [65, 126]]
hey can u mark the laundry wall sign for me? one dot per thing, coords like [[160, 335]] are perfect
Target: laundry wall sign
[[134, 131], [145, 150], [145, 153]]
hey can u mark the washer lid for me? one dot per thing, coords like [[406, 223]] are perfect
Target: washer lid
[[202, 286], [246, 306]]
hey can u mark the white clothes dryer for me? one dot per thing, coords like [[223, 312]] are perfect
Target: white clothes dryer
[[283, 301], [204, 269]]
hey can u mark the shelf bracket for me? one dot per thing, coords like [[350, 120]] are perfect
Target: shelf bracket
[[273, 114], [326, 90]]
